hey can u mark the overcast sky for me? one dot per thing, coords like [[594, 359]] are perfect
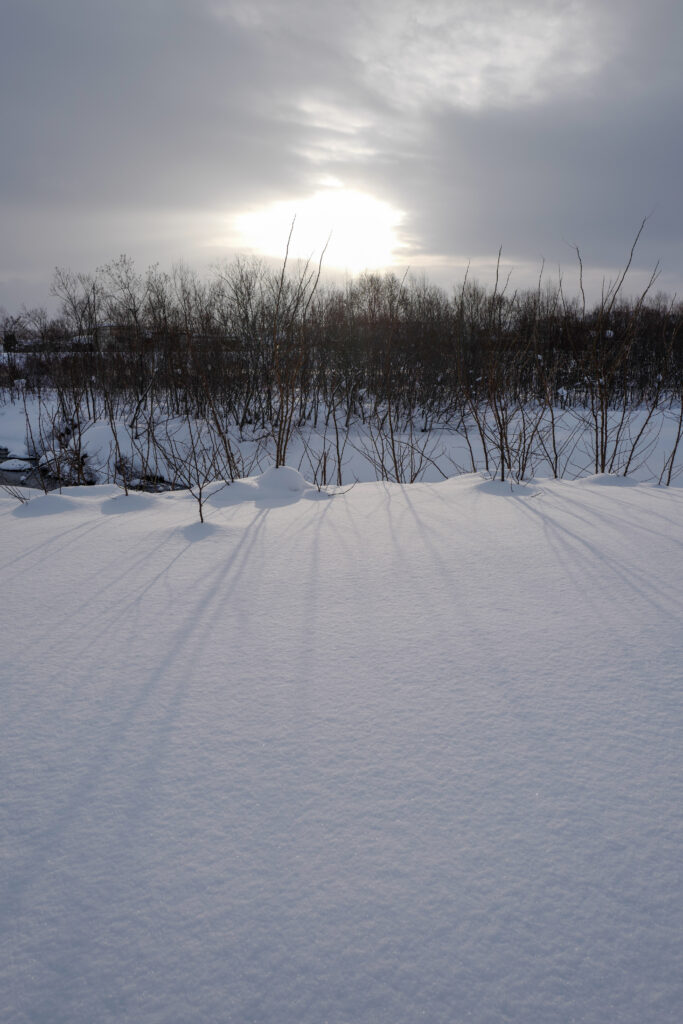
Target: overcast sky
[[189, 129]]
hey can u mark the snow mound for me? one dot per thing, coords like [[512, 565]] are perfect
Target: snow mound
[[608, 480], [507, 488], [46, 505], [282, 481], [282, 486], [15, 466]]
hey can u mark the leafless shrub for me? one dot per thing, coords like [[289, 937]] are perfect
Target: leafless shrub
[[667, 474], [13, 491], [191, 451]]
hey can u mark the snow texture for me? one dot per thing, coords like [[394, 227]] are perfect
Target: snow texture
[[396, 754]]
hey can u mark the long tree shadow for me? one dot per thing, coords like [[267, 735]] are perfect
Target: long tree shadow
[[583, 559], [150, 700]]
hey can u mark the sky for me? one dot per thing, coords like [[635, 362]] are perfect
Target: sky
[[421, 136]]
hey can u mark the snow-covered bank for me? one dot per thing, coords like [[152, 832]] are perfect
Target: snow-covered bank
[[158, 449], [397, 754]]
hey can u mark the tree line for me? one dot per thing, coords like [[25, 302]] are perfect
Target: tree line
[[262, 349]]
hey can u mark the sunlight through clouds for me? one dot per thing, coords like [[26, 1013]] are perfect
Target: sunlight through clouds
[[426, 134], [362, 230]]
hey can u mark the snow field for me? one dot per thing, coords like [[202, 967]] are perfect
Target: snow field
[[384, 755]]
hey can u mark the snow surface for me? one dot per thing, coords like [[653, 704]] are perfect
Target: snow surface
[[395, 754]]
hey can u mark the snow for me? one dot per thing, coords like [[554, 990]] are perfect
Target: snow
[[390, 755], [13, 428], [641, 445]]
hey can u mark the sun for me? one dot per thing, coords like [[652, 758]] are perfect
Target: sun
[[362, 230]]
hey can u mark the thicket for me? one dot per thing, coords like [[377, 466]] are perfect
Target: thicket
[[266, 350]]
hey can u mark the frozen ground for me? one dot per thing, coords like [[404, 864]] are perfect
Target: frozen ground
[[387, 756]]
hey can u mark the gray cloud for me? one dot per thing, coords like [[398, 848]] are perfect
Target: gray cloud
[[139, 126]]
